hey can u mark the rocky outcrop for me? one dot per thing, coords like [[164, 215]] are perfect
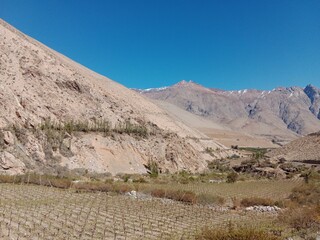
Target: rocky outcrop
[[314, 95]]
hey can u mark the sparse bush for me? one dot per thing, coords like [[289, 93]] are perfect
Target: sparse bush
[[122, 188], [153, 168], [159, 193], [140, 180], [235, 233], [37, 179], [236, 203], [302, 218], [311, 176], [306, 194], [219, 165], [60, 183], [177, 195], [232, 177], [234, 156], [256, 201]]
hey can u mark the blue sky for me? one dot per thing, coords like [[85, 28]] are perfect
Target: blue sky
[[227, 44]]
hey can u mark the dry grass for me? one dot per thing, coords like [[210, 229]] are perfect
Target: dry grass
[[204, 198], [235, 233], [306, 194], [303, 212], [274, 190]]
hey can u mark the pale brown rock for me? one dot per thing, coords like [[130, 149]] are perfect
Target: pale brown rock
[[8, 138], [10, 164]]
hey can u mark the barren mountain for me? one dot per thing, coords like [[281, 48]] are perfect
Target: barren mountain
[[56, 114], [281, 114], [305, 149]]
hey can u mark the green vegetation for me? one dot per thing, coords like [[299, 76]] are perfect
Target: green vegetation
[[257, 153], [102, 126]]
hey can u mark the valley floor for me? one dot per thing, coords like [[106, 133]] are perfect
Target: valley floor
[[39, 212]]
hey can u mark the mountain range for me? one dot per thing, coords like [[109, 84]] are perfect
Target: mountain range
[[281, 114]]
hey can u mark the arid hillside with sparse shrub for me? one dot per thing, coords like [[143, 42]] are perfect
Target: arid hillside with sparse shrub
[[94, 123]]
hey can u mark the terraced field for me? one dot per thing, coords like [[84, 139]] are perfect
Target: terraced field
[[38, 212]]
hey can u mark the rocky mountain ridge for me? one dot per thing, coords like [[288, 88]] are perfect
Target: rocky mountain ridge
[[282, 112]]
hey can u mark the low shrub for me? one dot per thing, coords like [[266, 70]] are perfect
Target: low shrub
[[140, 180], [232, 177], [32, 178], [235, 233], [205, 198], [158, 193], [306, 194], [302, 218], [122, 188], [236, 203], [177, 195], [60, 183], [93, 187], [256, 201]]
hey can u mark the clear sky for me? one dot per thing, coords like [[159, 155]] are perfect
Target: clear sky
[[228, 44]]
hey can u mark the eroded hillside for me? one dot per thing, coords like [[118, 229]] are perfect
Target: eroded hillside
[[39, 84]]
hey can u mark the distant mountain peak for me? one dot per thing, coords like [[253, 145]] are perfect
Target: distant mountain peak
[[185, 83], [311, 88]]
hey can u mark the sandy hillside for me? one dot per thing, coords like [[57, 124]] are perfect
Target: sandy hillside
[[218, 132], [38, 84], [304, 149]]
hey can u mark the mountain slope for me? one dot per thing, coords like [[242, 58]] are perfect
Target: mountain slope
[[38, 84], [283, 113], [305, 149]]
